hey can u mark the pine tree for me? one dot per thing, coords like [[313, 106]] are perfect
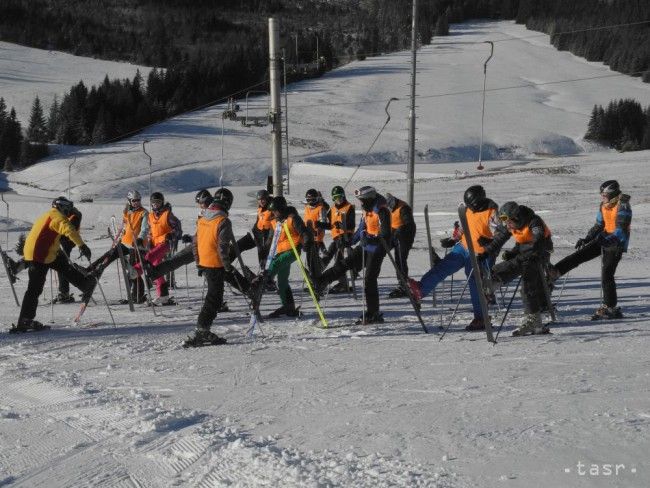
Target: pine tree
[[442, 26], [53, 120], [37, 131]]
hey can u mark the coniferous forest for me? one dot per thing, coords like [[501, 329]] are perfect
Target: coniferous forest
[[207, 49]]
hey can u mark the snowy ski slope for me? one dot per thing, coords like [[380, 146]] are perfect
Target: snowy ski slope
[[349, 406]]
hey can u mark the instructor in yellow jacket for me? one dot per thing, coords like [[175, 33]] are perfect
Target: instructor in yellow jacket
[[41, 253]]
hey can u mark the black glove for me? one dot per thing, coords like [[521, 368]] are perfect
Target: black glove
[[447, 242], [580, 243], [484, 241], [169, 239], [85, 251], [338, 225], [508, 255], [139, 242], [227, 267], [483, 256], [309, 224], [187, 239], [199, 270]]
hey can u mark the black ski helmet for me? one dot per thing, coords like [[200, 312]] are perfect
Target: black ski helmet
[[312, 197], [157, 198], [338, 192], [474, 196], [262, 195], [203, 197], [610, 189], [224, 198], [279, 204], [63, 205], [510, 211], [366, 193]]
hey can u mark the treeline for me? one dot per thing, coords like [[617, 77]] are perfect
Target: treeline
[[18, 150], [206, 52], [570, 23], [623, 125]]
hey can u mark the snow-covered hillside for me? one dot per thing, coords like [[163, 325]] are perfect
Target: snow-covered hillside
[[385, 405], [27, 72], [334, 119]]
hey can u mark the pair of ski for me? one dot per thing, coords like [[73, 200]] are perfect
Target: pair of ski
[[5, 262]]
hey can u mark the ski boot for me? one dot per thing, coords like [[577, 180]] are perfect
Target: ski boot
[[288, 311], [531, 325], [340, 287], [204, 337], [164, 301], [607, 313], [475, 325], [64, 298], [415, 289], [398, 292], [25, 325], [375, 318]]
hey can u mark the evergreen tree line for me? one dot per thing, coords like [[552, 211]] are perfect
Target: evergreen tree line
[[625, 49], [210, 55], [18, 150], [623, 125]]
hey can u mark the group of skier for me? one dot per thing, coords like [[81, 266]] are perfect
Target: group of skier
[[146, 241]]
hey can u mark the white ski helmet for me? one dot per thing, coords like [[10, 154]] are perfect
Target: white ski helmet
[[133, 195]]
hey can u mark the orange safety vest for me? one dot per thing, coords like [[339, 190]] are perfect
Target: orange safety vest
[[132, 225], [396, 216], [479, 226], [609, 217], [159, 227], [207, 242], [525, 235], [264, 218], [283, 241], [373, 224], [313, 215], [340, 214]]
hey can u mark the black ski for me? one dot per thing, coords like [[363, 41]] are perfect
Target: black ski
[[125, 273], [403, 281], [252, 302], [10, 275], [477, 272], [433, 256]]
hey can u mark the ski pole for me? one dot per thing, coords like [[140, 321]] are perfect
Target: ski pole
[[187, 279], [7, 228], [101, 290], [453, 314], [566, 276], [51, 298], [505, 314]]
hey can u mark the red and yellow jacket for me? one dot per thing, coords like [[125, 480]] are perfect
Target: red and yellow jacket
[[42, 243]]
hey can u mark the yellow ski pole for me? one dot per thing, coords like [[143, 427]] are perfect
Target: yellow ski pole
[[304, 275]]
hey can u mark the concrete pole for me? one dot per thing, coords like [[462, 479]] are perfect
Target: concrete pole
[[410, 172], [286, 121], [276, 107]]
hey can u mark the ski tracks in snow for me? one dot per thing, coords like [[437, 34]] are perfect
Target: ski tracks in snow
[[75, 435]]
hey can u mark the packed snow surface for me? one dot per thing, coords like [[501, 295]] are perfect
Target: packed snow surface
[[384, 405]]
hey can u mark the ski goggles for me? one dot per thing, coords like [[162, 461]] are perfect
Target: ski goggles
[[504, 218]]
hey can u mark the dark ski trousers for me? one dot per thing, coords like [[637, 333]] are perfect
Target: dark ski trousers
[[403, 244], [532, 285], [336, 250], [37, 275], [213, 297], [611, 257], [64, 284], [355, 262], [314, 263], [251, 242]]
